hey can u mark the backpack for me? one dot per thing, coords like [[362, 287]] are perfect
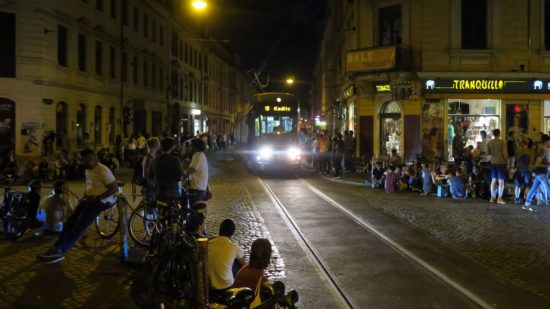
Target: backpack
[[137, 178]]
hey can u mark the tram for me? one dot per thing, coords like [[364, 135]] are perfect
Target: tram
[[273, 130]]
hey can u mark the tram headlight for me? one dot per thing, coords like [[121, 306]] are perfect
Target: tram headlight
[[293, 153], [266, 153]]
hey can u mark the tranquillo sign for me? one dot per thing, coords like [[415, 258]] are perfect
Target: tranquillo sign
[[486, 85]]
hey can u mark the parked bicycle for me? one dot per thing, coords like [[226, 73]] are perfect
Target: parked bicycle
[[13, 212]]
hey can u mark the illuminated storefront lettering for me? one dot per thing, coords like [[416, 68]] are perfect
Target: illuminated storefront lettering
[[485, 85], [478, 84], [383, 88]]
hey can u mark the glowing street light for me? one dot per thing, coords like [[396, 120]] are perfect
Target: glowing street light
[[199, 4], [290, 81]]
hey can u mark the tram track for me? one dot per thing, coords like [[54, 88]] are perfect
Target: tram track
[[324, 268]]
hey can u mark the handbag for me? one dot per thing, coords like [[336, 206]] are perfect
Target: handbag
[[207, 194]]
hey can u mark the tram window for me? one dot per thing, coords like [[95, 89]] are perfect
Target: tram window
[[277, 124]]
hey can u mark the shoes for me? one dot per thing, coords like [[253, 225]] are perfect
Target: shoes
[[493, 200], [51, 256], [528, 208], [517, 201], [501, 201]]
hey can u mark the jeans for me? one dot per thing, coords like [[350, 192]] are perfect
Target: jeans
[[196, 195], [83, 215], [540, 180]]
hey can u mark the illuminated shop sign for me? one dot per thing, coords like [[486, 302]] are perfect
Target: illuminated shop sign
[[486, 85], [383, 88], [269, 108]]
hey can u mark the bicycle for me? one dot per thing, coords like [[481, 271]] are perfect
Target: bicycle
[[13, 212], [109, 221], [174, 254]]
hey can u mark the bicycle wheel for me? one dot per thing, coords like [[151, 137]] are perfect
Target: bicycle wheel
[[14, 226], [173, 281], [142, 223], [108, 222]]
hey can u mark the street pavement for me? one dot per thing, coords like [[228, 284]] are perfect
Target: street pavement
[[492, 249]]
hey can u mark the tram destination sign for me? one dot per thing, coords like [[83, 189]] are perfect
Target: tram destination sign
[[277, 108], [485, 86]]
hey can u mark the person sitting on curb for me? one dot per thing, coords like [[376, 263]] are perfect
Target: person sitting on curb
[[101, 186], [223, 257], [252, 274]]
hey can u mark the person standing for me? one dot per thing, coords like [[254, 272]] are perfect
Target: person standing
[[167, 172], [350, 147], [458, 147], [197, 172], [496, 148], [541, 179], [338, 154], [140, 143]]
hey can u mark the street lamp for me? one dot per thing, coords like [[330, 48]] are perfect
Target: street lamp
[[290, 81], [199, 5]]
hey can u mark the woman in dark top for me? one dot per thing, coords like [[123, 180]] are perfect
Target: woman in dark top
[[250, 275]]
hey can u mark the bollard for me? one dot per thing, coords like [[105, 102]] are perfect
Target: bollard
[[123, 230], [202, 275]]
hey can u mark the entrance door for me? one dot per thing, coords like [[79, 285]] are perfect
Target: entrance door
[[7, 126], [390, 128], [61, 122]]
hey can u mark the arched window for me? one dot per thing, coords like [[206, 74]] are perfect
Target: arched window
[[81, 125], [97, 125], [61, 122], [111, 125]]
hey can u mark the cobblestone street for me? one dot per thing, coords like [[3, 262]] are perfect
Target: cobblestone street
[[510, 242], [92, 276]]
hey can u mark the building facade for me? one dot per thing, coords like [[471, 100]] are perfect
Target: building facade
[[409, 75], [91, 71]]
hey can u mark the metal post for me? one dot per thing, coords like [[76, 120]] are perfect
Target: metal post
[[123, 230]]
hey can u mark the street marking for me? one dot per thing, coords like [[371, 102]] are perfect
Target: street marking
[[470, 295], [320, 265]]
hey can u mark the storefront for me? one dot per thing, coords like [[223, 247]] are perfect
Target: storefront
[[467, 107]]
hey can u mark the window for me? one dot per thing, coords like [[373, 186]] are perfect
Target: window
[[161, 78], [82, 52], [98, 58], [135, 70], [97, 125], [180, 53], [154, 30], [181, 87], [389, 25], [61, 122], [124, 72], [145, 25], [161, 35], [7, 44], [547, 24], [186, 53], [62, 45], [112, 62], [136, 19], [111, 125], [277, 124], [99, 5], [474, 24], [145, 74], [174, 44], [113, 9], [81, 125], [125, 12], [154, 76], [156, 123], [174, 84]]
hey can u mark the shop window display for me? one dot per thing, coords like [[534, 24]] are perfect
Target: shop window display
[[472, 117], [432, 130], [390, 122]]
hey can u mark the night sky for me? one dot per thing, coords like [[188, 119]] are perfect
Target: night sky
[[281, 35]]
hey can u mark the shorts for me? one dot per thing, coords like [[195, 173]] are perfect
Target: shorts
[[498, 171], [523, 179]]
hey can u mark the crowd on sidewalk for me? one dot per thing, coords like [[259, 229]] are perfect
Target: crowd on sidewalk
[[495, 170]]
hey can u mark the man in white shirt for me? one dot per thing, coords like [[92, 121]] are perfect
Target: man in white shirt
[[99, 195], [222, 255], [197, 171]]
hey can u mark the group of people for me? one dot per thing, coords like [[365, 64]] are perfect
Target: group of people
[[330, 155], [163, 171], [481, 172]]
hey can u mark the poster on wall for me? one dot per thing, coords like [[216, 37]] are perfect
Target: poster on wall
[[7, 126], [432, 130], [30, 131], [517, 123]]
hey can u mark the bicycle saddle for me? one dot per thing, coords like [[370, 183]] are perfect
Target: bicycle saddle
[[238, 297]]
